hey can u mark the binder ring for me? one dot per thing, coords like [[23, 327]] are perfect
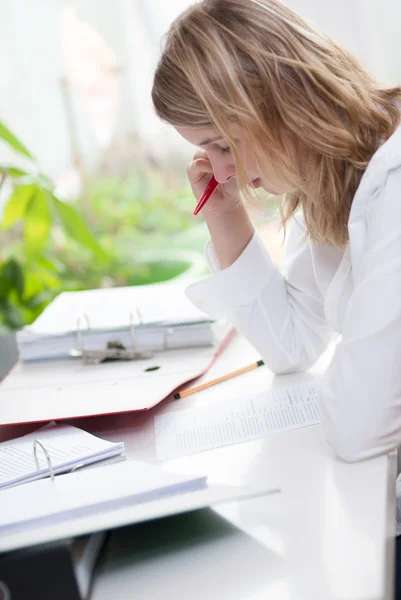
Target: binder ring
[[114, 350], [37, 443], [138, 312], [166, 335], [76, 467], [133, 332]]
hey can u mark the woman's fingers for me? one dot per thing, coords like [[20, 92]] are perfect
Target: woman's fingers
[[198, 168]]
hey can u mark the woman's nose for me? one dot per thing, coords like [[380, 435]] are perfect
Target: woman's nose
[[223, 171]]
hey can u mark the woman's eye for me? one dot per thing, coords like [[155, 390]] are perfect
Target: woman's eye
[[225, 150]]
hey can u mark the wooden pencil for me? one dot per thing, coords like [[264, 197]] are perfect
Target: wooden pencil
[[203, 386]]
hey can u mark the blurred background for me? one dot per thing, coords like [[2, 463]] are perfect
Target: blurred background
[[93, 187]]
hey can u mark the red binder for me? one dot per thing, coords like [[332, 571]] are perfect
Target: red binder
[[66, 389]]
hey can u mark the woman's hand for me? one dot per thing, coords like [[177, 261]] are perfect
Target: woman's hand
[[226, 195]]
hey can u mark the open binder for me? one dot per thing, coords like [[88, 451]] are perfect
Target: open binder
[[53, 450], [66, 389], [40, 391], [169, 344], [128, 323]]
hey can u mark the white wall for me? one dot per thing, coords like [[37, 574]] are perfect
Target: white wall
[[31, 102], [369, 28]]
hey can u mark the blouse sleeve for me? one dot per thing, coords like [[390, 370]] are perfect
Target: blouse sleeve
[[280, 313]]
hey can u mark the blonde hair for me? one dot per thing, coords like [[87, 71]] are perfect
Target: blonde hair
[[257, 64]]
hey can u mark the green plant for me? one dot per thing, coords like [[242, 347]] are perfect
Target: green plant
[[127, 229], [29, 275], [138, 217]]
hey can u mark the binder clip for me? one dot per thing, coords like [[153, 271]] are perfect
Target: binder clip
[[114, 350], [37, 443]]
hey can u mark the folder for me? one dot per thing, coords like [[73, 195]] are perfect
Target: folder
[[172, 344], [44, 391]]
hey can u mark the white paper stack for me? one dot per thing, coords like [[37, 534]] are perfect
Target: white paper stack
[[67, 448], [162, 315], [86, 493]]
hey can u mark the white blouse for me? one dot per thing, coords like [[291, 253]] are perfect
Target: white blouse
[[291, 316]]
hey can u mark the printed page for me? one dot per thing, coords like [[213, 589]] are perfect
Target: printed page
[[236, 420]]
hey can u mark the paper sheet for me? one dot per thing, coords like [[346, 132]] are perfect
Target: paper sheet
[[66, 446], [112, 307], [236, 420]]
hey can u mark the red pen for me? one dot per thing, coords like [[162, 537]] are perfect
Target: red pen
[[211, 186]]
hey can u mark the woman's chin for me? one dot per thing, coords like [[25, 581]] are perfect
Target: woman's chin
[[258, 183]]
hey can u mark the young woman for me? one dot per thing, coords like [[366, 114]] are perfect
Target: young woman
[[271, 102]]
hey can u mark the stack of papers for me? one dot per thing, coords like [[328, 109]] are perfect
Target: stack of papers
[[67, 447], [87, 493], [162, 315]]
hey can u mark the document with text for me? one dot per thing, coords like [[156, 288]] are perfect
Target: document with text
[[236, 420]]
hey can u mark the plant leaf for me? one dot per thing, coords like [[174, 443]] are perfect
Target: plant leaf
[[12, 273], [13, 171], [11, 315], [37, 221], [13, 141], [76, 228], [5, 286], [33, 286], [17, 204], [39, 300], [50, 265]]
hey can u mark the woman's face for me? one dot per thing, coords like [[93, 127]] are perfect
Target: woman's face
[[222, 161]]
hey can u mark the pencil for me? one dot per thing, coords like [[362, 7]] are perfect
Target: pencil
[[211, 186], [198, 388]]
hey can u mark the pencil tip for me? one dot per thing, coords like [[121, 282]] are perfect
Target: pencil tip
[[177, 396]]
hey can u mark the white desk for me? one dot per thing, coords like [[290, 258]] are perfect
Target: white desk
[[328, 535]]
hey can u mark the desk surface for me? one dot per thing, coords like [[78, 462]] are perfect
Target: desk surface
[[327, 535]]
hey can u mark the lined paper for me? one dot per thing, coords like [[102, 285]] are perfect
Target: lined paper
[[66, 445], [237, 420]]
